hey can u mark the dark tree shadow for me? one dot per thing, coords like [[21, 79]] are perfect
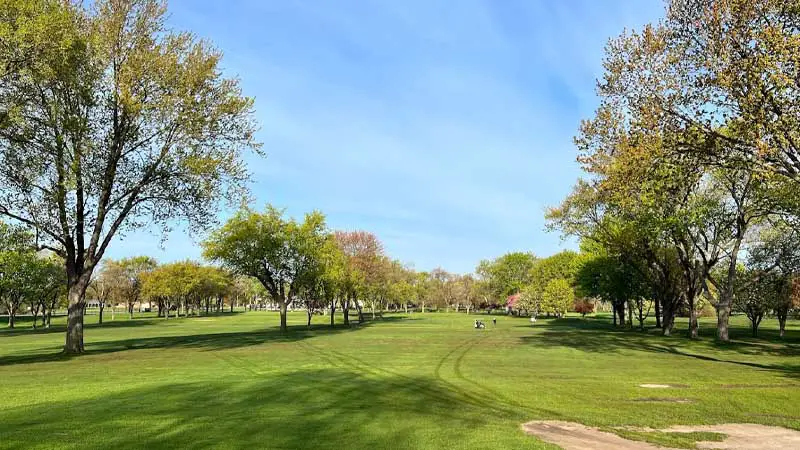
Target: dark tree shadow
[[205, 341], [25, 327], [328, 408], [593, 335]]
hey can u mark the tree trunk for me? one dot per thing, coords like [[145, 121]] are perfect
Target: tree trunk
[[333, 313], [346, 312], [782, 325], [309, 318], [614, 313], [668, 317], [12, 312], [100, 314], [373, 311], [620, 311], [726, 296], [630, 314], [35, 316], [423, 307], [693, 328], [130, 310], [405, 307], [76, 292], [283, 306], [231, 306], [360, 311], [723, 317], [658, 312], [667, 324]]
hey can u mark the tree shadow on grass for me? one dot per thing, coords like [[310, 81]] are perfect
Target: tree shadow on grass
[[208, 341], [24, 324], [595, 336], [329, 408]]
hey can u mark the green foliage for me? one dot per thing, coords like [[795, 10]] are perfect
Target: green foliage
[[557, 297], [507, 275], [25, 275], [284, 255], [111, 121], [609, 279], [562, 265]]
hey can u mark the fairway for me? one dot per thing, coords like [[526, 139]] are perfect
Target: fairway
[[404, 381]]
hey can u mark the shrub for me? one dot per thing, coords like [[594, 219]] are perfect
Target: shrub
[[583, 307]]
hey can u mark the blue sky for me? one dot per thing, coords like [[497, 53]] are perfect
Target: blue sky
[[444, 127]]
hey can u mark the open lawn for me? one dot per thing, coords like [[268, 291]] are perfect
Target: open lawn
[[417, 381]]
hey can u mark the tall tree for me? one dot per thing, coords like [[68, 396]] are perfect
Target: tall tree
[[127, 276], [101, 289], [364, 253], [280, 253], [115, 122], [776, 253], [557, 297], [17, 268], [508, 274]]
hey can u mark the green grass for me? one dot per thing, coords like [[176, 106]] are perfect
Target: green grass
[[417, 381]]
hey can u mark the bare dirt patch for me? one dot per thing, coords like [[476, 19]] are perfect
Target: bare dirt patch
[[575, 436], [746, 436]]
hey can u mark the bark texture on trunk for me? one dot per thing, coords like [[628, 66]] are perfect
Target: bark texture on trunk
[[76, 293], [693, 328], [658, 312], [620, 307], [723, 318], [12, 312], [283, 306]]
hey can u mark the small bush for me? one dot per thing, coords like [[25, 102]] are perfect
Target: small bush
[[583, 307]]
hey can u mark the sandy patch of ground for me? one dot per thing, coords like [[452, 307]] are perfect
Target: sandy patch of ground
[[746, 436], [575, 436]]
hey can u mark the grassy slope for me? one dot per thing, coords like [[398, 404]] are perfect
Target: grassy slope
[[423, 381]]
